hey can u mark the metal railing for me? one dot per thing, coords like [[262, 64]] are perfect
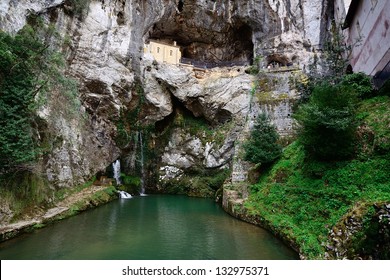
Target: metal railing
[[209, 65]]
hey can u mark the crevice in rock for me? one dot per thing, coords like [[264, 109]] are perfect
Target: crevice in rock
[[179, 111], [180, 5]]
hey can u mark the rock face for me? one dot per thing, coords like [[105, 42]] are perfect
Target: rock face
[[13, 14], [102, 42], [240, 30], [219, 95], [363, 233]]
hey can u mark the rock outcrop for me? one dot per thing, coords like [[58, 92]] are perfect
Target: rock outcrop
[[363, 233], [103, 41]]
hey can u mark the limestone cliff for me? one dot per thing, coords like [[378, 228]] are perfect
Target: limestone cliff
[[103, 45]]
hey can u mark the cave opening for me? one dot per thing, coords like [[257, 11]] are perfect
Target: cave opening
[[180, 114], [180, 5], [278, 60], [218, 44]]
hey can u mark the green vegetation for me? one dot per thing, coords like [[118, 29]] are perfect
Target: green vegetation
[[198, 182], [130, 184], [22, 191], [22, 58], [19, 58], [201, 128], [65, 192], [336, 56], [374, 136], [360, 83], [97, 198], [327, 123], [254, 69], [129, 122], [303, 198], [262, 146], [31, 76], [337, 168]]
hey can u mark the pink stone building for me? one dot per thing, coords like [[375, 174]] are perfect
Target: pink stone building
[[368, 23]]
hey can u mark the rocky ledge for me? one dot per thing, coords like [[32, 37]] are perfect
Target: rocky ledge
[[86, 199]]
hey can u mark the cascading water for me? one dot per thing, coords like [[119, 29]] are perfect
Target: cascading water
[[142, 193], [116, 167], [125, 195]]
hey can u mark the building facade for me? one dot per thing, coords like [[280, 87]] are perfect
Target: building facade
[[163, 52], [366, 27]]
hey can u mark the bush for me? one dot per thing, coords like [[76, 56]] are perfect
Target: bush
[[327, 123], [19, 56], [131, 184], [359, 82], [262, 146], [31, 73]]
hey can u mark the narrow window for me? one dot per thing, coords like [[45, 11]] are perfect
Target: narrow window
[[158, 49], [171, 53]]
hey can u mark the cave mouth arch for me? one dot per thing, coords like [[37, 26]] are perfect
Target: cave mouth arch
[[230, 42], [278, 60]]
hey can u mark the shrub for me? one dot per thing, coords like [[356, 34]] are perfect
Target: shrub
[[18, 58], [30, 71], [327, 123], [359, 82], [262, 146]]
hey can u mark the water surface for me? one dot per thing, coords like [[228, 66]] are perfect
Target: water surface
[[150, 227]]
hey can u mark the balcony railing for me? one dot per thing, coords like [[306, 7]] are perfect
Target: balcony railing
[[209, 65]]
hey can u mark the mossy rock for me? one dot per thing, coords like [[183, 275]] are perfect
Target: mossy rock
[[197, 183]]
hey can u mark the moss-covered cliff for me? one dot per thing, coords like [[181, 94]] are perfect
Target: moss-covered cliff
[[328, 209]]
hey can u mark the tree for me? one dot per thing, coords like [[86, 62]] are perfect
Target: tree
[[327, 123], [21, 57], [16, 98], [262, 146]]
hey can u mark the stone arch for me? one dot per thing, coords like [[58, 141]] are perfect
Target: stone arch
[[277, 60]]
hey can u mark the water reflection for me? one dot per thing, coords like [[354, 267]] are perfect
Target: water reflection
[[152, 227]]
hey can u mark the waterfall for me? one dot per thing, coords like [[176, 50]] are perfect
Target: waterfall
[[116, 166], [125, 195], [142, 165]]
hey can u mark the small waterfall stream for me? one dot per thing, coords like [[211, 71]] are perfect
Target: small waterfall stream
[[116, 167]]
